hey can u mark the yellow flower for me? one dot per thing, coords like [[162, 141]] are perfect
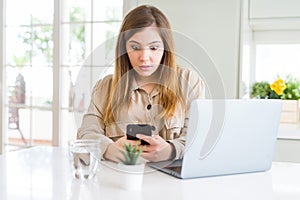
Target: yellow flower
[[278, 86]]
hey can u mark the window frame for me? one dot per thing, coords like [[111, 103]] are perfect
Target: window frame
[[56, 108], [2, 81]]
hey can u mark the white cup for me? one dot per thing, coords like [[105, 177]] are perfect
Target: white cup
[[85, 158]]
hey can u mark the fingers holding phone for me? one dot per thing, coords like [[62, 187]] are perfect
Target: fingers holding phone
[[157, 150], [123, 140], [133, 129]]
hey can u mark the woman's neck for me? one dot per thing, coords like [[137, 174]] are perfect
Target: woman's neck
[[147, 83]]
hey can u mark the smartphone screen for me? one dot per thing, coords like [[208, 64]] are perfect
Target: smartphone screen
[[133, 129]]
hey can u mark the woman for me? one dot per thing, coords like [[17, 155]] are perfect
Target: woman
[[147, 87]]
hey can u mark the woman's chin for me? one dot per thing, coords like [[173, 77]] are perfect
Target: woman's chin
[[144, 73]]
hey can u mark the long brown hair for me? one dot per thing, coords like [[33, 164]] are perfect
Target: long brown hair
[[170, 89]]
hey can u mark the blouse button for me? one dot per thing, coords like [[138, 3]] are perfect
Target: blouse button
[[149, 107]]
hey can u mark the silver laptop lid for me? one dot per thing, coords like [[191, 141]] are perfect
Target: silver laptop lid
[[230, 136]]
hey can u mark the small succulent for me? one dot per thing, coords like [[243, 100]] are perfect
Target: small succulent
[[131, 154]]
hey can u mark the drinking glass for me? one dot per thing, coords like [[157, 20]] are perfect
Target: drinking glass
[[85, 155]]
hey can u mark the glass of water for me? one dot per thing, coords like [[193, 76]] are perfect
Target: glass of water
[[85, 158]]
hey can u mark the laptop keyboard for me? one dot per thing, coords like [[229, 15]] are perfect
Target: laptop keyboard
[[176, 169]]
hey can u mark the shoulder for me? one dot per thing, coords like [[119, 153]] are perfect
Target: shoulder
[[189, 75], [104, 83], [191, 82], [101, 92]]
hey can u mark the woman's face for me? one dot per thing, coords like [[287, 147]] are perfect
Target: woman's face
[[145, 50]]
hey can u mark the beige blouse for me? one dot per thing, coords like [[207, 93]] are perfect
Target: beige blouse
[[172, 130]]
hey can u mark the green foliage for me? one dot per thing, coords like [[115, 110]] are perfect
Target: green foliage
[[262, 90], [292, 90], [77, 33], [20, 61], [131, 154], [38, 39]]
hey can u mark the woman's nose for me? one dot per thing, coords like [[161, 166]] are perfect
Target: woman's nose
[[145, 54]]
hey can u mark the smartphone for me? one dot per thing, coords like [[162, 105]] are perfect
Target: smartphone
[[133, 129]]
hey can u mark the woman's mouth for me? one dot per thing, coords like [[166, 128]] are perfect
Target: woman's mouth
[[145, 67]]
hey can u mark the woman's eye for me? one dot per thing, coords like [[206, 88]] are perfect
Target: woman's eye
[[135, 47], [154, 48]]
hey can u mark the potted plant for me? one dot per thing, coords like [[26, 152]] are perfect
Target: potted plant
[[260, 90], [287, 89], [130, 167]]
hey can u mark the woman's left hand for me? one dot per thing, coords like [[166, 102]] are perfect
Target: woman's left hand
[[157, 150]]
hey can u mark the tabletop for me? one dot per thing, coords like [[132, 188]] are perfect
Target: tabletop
[[45, 173]]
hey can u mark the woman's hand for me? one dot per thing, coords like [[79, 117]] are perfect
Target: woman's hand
[[113, 151], [157, 150]]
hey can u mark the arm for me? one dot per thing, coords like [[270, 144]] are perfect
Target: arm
[[92, 126], [193, 88]]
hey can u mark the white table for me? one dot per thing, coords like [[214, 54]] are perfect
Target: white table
[[44, 173]]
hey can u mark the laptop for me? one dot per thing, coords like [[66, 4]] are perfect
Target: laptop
[[227, 136]]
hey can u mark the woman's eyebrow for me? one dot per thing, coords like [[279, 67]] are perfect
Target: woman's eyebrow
[[136, 42]]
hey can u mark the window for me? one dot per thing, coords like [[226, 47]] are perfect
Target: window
[[28, 72], [41, 52], [88, 29], [271, 42], [274, 60], [268, 55]]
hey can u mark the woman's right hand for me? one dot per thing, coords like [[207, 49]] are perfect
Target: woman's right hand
[[113, 151]]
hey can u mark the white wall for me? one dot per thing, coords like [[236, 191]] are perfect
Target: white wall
[[274, 14], [265, 9], [213, 25]]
